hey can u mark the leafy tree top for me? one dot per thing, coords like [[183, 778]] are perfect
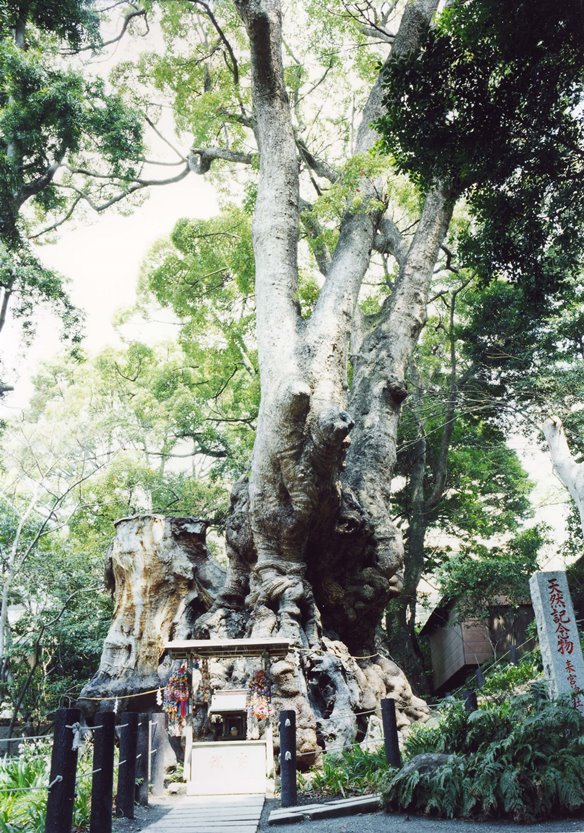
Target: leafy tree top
[[492, 103]]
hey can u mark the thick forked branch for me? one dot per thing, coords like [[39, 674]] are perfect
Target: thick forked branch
[[567, 469], [389, 240], [275, 224], [334, 310], [379, 372]]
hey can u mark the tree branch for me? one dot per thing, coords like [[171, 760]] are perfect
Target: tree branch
[[137, 185], [315, 232], [200, 159], [338, 298], [41, 182], [57, 223], [153, 127], [232, 63], [275, 225], [389, 240], [319, 166], [565, 466], [127, 20]]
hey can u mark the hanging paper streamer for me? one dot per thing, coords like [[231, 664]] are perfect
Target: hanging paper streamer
[[175, 701], [259, 697]]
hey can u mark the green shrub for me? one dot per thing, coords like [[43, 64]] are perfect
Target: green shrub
[[508, 678], [353, 772], [522, 759], [23, 794]]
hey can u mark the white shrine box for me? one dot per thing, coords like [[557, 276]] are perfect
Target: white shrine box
[[228, 768]]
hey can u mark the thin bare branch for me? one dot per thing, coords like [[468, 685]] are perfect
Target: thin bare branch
[[166, 141], [232, 62], [57, 223], [127, 20]]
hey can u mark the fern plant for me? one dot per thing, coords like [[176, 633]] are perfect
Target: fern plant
[[353, 772], [522, 760]]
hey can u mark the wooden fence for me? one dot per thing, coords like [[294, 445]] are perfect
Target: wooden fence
[[139, 737]]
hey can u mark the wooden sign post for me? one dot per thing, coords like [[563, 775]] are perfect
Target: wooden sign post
[[558, 635]]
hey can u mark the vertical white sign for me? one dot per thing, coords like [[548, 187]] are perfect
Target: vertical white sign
[[558, 635]]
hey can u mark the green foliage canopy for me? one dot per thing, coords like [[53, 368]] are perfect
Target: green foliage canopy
[[493, 105], [65, 140]]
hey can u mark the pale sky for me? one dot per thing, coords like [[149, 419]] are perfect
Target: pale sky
[[102, 259]]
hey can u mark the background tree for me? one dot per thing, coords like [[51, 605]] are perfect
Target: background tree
[[504, 99], [462, 484]]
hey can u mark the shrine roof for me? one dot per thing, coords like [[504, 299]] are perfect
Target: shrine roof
[[227, 648]]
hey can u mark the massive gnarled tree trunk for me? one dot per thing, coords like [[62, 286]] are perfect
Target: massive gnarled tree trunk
[[316, 555], [313, 554]]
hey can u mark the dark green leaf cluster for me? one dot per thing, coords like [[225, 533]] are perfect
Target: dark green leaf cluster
[[492, 104], [64, 139], [48, 115], [528, 359], [520, 760], [74, 21], [478, 574], [30, 283]]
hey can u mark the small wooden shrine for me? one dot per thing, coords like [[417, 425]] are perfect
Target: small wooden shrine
[[227, 732]]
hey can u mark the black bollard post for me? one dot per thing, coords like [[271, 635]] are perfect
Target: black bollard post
[[470, 700], [158, 743], [128, 730], [288, 758], [59, 817], [102, 786], [390, 735], [142, 759]]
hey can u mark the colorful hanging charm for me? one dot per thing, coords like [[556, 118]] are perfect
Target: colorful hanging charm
[[176, 699], [205, 684], [259, 697]]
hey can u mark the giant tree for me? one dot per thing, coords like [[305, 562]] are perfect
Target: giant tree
[[313, 553]]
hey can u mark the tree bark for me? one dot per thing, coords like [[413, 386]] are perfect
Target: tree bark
[[163, 579], [570, 473], [401, 611]]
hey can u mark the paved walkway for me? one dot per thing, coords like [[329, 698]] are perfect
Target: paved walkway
[[209, 814]]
